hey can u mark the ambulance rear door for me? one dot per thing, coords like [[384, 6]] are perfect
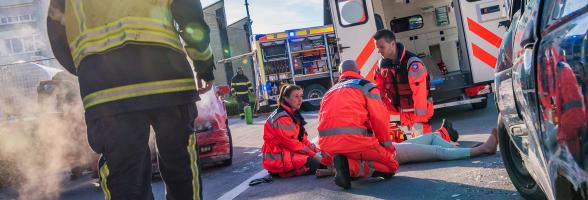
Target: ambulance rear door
[[355, 23], [480, 35]]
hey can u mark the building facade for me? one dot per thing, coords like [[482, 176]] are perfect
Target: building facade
[[23, 31], [226, 41], [239, 44]]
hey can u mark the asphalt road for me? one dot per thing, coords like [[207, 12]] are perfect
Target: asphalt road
[[477, 178]]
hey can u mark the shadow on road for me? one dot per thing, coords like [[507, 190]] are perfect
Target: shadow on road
[[399, 187]]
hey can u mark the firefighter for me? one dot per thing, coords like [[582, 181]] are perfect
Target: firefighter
[[353, 128], [286, 150], [404, 83], [133, 74], [240, 87]]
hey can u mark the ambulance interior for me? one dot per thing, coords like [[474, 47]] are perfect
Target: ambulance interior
[[428, 28]]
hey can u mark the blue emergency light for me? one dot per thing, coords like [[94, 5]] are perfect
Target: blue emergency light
[[291, 33]]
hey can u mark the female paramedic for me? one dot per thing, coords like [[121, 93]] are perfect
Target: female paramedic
[[286, 150]]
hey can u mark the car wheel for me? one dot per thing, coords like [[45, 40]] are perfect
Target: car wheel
[[313, 91], [515, 168], [229, 161], [481, 105]]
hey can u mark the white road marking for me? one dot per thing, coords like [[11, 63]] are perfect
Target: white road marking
[[232, 194]]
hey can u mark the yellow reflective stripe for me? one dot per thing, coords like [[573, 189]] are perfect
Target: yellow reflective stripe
[[240, 93], [240, 84], [194, 167], [104, 172], [101, 32], [122, 37], [136, 90], [198, 55]]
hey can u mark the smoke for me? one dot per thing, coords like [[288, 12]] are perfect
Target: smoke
[[42, 132], [42, 137]]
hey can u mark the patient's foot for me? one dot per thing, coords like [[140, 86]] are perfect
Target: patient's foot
[[491, 144], [488, 147]]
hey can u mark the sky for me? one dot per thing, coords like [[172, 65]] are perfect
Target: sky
[[270, 16]]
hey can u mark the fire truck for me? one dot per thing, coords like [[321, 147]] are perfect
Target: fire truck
[[458, 40], [306, 57]]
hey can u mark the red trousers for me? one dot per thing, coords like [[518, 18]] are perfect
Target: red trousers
[[365, 163]]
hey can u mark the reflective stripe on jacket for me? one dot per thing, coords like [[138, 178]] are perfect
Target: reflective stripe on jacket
[[94, 27], [352, 117], [282, 152], [240, 85]]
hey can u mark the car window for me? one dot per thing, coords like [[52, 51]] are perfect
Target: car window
[[563, 8]]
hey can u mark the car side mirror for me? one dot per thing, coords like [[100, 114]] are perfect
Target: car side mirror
[[223, 90]]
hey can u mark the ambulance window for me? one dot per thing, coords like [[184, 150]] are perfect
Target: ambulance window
[[407, 23], [351, 12], [379, 22]]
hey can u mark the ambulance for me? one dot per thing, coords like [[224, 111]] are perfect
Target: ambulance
[[458, 40]]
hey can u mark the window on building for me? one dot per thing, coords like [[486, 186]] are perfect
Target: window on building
[[21, 45], [4, 20], [25, 18]]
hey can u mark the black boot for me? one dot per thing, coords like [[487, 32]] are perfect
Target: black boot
[[453, 134], [342, 177]]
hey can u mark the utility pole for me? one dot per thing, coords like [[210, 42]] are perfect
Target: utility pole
[[249, 33]]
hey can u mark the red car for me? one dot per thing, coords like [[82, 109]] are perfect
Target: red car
[[212, 128], [215, 145]]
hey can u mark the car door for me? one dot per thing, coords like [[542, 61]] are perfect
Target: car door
[[525, 90], [562, 87]]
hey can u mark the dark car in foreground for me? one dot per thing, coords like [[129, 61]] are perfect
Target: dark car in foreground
[[541, 91]]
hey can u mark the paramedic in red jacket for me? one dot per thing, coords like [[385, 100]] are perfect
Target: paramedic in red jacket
[[286, 150], [404, 82], [353, 126]]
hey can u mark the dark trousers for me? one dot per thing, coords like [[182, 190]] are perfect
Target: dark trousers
[[242, 101], [125, 171]]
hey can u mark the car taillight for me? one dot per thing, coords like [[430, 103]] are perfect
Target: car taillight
[[478, 90]]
